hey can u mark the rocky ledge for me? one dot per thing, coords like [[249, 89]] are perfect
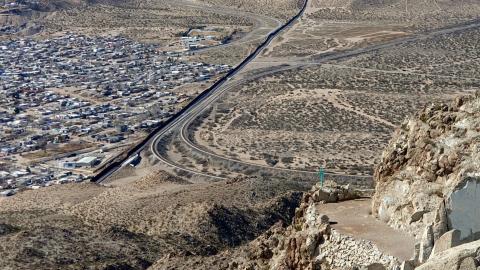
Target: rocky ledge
[[426, 183], [310, 242]]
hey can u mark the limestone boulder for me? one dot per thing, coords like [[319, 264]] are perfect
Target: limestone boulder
[[335, 193], [448, 240], [463, 211], [464, 257]]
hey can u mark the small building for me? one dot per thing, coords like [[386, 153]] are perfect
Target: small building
[[88, 162], [122, 128], [69, 165], [115, 139]]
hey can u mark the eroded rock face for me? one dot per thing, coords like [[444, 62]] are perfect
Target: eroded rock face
[[292, 247], [309, 243], [426, 172], [464, 257]]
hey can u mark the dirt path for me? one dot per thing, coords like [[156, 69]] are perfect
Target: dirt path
[[353, 218], [333, 98], [400, 72]]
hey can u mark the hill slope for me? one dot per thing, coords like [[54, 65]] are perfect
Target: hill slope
[[91, 226]]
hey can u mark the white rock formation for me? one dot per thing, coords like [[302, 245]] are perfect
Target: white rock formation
[[463, 257], [463, 209]]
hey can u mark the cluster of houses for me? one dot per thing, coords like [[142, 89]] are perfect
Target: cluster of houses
[[113, 66], [9, 4], [34, 177], [75, 89]]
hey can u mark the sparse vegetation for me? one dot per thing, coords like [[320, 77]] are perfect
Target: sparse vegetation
[[341, 114]]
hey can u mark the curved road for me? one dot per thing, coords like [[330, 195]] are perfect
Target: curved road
[[181, 122], [198, 102], [216, 92], [190, 118], [261, 23]]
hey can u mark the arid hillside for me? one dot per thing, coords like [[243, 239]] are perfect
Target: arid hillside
[[424, 205], [161, 21], [98, 227], [281, 9], [416, 14]]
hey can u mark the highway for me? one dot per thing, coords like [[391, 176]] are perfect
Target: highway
[[180, 123]]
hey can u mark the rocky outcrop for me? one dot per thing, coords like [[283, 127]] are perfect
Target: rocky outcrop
[[463, 257], [428, 167], [310, 243], [426, 183]]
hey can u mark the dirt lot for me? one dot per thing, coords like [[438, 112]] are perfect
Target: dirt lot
[[52, 151], [420, 15], [342, 24], [354, 218]]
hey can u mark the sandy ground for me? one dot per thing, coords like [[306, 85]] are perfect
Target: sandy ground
[[353, 218]]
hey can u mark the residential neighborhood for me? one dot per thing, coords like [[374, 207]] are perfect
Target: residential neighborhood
[[71, 103]]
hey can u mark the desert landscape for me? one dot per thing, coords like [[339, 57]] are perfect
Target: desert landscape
[[345, 110], [138, 223], [239, 134]]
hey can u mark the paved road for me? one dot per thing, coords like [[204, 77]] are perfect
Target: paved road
[[261, 23], [186, 121], [201, 105], [199, 102], [181, 122]]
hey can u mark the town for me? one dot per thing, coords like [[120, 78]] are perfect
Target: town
[[70, 104]]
